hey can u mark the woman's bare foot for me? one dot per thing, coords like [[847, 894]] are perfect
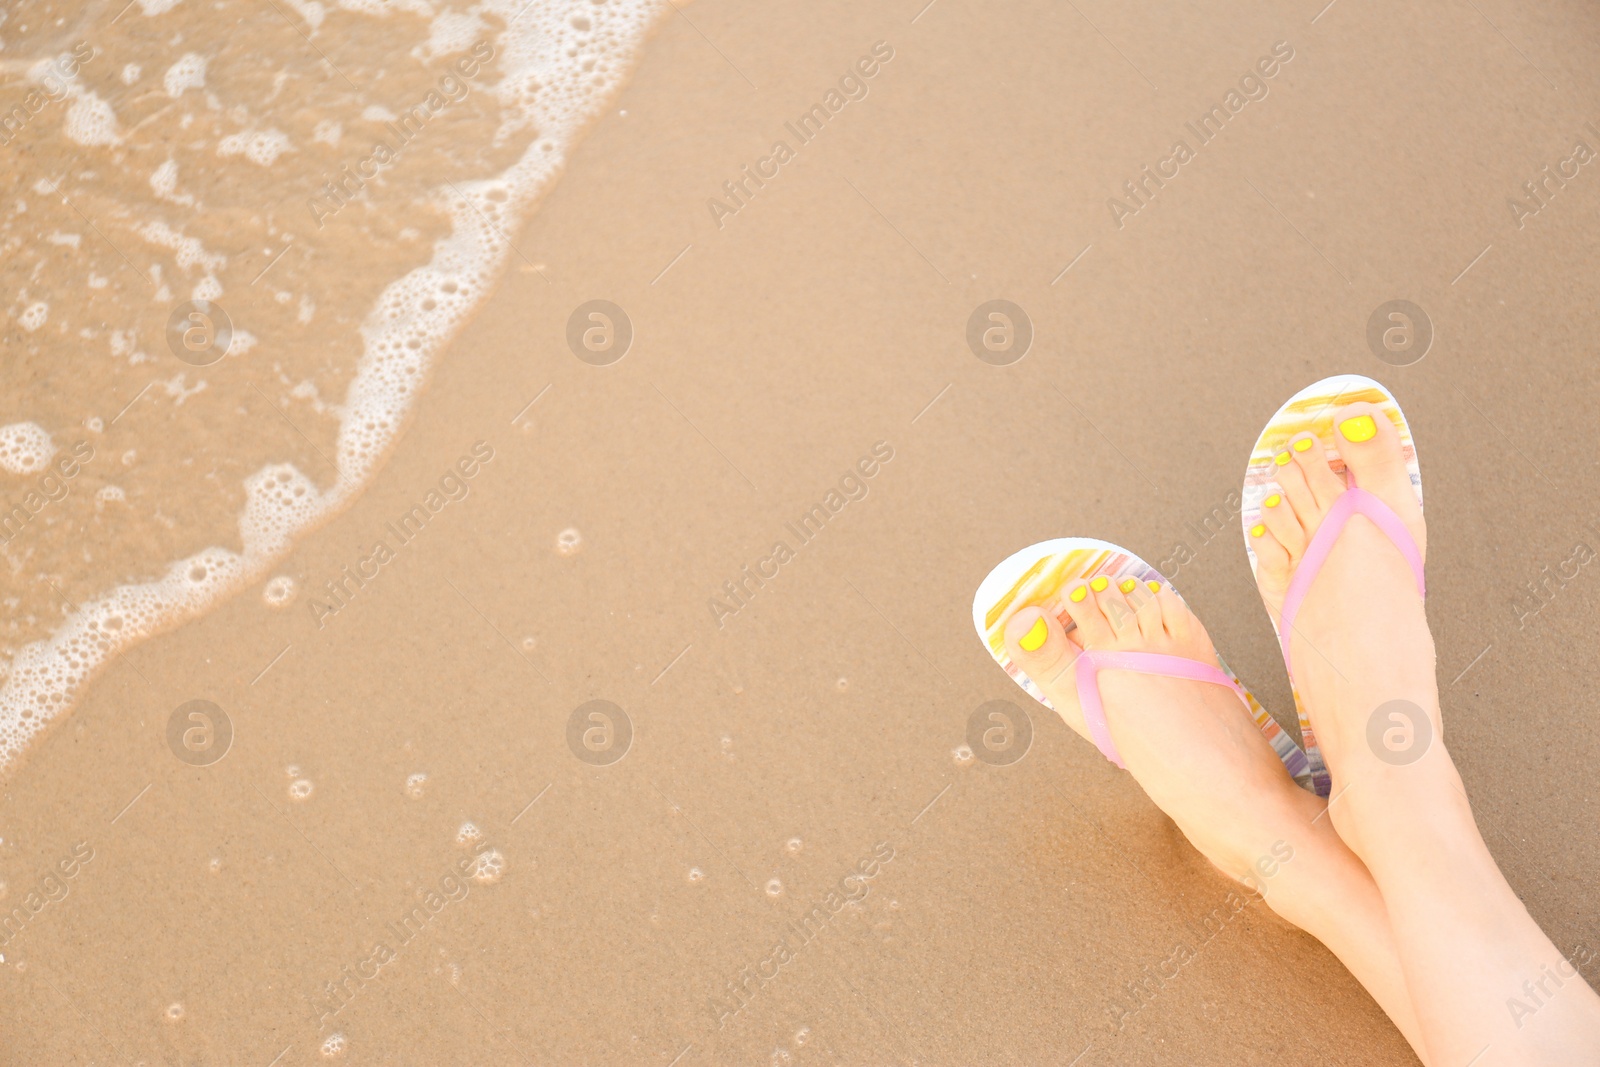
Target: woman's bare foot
[[1178, 738], [1198, 753], [1363, 665], [1360, 639]]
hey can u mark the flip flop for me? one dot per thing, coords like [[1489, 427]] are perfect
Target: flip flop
[[1311, 409], [1035, 577]]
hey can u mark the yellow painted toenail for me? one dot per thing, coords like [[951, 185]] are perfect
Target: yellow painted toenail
[[1281, 458], [1272, 501], [1100, 583], [1077, 595], [1035, 637], [1128, 585], [1155, 587], [1257, 530], [1303, 445], [1361, 428]]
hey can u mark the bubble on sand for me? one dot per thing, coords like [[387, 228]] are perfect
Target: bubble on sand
[[801, 1036], [416, 785], [34, 315], [569, 541], [962, 754], [333, 1046], [487, 866], [774, 887], [529, 644], [794, 845], [189, 72], [781, 1057], [696, 874], [300, 788], [174, 1012], [261, 147], [279, 591], [468, 835], [130, 73], [25, 447], [90, 121], [215, 866]]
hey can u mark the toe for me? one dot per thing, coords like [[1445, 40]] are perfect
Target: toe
[[1272, 562], [1372, 451], [1094, 631], [1280, 519], [1039, 646], [1176, 619], [1118, 612], [1312, 460], [1296, 493], [1146, 601]]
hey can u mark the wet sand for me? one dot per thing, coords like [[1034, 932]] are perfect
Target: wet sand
[[676, 902]]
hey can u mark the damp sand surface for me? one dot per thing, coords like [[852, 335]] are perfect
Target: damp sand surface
[[622, 716]]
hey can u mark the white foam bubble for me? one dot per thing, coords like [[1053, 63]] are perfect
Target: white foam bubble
[[189, 72], [190, 252], [279, 591], [487, 866], [25, 448], [559, 64], [312, 11], [164, 183], [90, 120], [261, 147], [34, 315]]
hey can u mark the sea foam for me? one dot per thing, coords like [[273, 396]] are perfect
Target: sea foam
[[560, 62]]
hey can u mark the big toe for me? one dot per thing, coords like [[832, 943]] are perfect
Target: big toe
[[1041, 649], [1373, 453]]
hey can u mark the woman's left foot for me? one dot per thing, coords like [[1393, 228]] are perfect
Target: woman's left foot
[[1193, 746]]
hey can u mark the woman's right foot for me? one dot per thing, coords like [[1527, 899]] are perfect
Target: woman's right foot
[[1360, 639], [1363, 665]]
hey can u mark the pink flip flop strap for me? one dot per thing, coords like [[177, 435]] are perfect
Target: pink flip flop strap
[[1354, 501], [1090, 664]]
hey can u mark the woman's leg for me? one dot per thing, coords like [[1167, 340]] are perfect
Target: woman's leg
[[1197, 752], [1488, 985]]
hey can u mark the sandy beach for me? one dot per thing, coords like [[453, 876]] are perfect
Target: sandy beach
[[404, 833]]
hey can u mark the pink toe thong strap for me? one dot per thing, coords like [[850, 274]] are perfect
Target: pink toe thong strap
[[1090, 664], [1354, 501]]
